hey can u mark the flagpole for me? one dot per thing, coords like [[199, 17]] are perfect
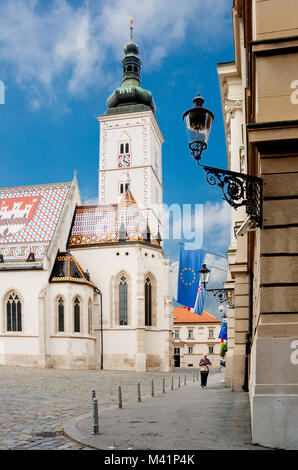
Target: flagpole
[[205, 249]]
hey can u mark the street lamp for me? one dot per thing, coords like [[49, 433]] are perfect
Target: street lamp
[[198, 122], [204, 275], [238, 189]]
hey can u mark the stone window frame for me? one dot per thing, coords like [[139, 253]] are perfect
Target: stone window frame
[[5, 300], [90, 316], [190, 336], [117, 300], [79, 297], [190, 350], [211, 330], [176, 331], [153, 299], [124, 146], [59, 296]]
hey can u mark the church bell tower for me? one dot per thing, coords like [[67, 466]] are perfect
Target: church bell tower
[[130, 153]]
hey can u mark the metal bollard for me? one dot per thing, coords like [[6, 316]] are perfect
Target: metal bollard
[[184, 379], [163, 385], [139, 392], [152, 388], [193, 377], [172, 384], [179, 381], [93, 393], [197, 375], [95, 417], [119, 397]]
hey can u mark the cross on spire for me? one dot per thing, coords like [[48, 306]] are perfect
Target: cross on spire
[[131, 29]]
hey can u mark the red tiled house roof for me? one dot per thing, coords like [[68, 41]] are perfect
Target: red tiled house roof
[[183, 315]]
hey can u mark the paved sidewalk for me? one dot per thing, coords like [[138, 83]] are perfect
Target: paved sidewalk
[[188, 417]]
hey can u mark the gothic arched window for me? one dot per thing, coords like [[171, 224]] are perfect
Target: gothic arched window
[[13, 312], [77, 315], [124, 148], [123, 317], [89, 317], [60, 314], [148, 301]]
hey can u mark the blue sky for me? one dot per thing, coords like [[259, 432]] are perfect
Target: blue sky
[[60, 60]]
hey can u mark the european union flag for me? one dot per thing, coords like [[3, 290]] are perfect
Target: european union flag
[[223, 334], [190, 263]]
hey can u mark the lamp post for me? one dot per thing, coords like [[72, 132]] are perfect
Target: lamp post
[[204, 275], [221, 295], [238, 189]]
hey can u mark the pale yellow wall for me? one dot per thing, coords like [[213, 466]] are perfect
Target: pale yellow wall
[[200, 343], [275, 18]]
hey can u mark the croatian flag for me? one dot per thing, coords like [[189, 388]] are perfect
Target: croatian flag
[[200, 300]]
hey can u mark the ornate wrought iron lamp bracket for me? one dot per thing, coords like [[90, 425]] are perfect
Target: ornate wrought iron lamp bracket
[[238, 190], [223, 295]]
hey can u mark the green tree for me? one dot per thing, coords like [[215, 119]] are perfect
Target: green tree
[[223, 349]]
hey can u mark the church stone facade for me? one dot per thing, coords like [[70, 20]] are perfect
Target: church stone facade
[[88, 286]]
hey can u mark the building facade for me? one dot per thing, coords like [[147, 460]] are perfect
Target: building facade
[[88, 286], [260, 107], [195, 335]]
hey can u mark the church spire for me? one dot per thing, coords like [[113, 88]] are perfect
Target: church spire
[[131, 63], [130, 97]]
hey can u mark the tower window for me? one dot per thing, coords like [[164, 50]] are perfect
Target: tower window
[[124, 148], [135, 69], [129, 68], [123, 188]]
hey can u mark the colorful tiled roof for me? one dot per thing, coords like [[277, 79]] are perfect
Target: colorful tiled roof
[[103, 223], [67, 269], [183, 315], [28, 218]]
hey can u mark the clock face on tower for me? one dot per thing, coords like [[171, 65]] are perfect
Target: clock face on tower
[[124, 160]]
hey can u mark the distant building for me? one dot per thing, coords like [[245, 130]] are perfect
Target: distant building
[[194, 336]]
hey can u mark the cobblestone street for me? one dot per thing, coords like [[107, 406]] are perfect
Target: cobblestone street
[[35, 402]]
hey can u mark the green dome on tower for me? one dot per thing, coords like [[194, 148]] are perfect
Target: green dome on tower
[[130, 97]]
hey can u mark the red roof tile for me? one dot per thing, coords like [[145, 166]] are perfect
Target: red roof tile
[[183, 315]]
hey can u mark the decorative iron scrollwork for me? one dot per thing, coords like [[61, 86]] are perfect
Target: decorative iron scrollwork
[[223, 295], [197, 148], [238, 189]]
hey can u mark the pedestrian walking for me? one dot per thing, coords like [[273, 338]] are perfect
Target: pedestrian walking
[[204, 364]]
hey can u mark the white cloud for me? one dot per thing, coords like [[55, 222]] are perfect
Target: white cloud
[[62, 47]]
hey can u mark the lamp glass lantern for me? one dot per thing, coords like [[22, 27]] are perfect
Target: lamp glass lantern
[[198, 122], [204, 275]]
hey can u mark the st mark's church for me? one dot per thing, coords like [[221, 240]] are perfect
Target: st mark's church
[[87, 286]]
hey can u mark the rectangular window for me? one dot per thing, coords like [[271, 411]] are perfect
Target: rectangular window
[[176, 351], [190, 350], [211, 333], [190, 334], [176, 333], [211, 350]]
